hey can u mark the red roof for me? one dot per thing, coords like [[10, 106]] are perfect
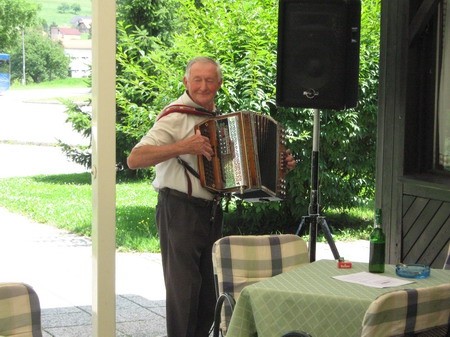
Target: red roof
[[69, 31]]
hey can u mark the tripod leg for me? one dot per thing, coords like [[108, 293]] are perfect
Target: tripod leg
[[329, 237], [312, 238], [300, 227], [312, 221]]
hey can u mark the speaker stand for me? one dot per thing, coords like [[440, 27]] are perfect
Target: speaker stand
[[313, 219]]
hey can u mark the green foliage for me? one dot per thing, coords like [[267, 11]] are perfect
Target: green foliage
[[64, 7], [148, 28], [138, 88], [15, 16], [73, 8], [153, 16], [45, 59], [242, 36], [80, 117], [138, 80]]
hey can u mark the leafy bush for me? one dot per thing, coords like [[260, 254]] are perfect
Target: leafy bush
[[242, 36]]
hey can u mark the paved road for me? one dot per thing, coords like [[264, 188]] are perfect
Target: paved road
[[37, 117], [32, 121]]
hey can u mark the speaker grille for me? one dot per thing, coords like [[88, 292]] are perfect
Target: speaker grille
[[318, 53]]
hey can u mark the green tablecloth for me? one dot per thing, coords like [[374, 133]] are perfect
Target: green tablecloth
[[309, 299]]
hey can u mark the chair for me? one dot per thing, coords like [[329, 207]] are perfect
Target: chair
[[20, 311], [421, 312], [243, 260], [447, 259]]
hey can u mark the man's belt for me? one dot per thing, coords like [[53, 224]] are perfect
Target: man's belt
[[194, 200]]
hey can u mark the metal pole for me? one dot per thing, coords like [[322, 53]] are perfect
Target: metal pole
[[314, 219], [314, 201], [23, 58]]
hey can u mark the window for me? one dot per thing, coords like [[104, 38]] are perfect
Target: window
[[427, 113]]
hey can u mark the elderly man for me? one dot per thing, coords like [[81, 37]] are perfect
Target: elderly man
[[187, 216]]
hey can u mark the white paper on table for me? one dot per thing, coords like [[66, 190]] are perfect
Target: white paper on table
[[372, 280]]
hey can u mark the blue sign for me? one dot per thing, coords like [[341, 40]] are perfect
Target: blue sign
[[5, 72]]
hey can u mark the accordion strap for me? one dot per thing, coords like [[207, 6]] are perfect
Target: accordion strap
[[217, 198], [181, 108], [189, 168]]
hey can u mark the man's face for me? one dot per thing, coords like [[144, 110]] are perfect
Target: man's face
[[202, 84]]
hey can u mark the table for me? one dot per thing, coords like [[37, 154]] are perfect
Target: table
[[309, 299]]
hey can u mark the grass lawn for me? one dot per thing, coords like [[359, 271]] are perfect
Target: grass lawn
[[65, 201], [49, 11], [55, 84]]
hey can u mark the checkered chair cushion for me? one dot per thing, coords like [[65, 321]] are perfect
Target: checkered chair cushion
[[409, 312], [20, 311], [242, 260], [447, 259]]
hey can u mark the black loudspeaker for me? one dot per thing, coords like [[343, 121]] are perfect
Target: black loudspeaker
[[318, 53]]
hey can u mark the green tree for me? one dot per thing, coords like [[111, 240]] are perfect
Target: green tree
[[143, 26], [44, 59], [153, 16], [63, 7], [242, 35], [15, 16], [75, 8]]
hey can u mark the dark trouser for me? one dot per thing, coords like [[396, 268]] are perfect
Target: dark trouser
[[186, 238]]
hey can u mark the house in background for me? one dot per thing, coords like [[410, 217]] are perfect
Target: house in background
[[76, 47], [82, 23], [64, 34], [80, 53]]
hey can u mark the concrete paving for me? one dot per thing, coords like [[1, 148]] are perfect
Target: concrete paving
[[58, 264]]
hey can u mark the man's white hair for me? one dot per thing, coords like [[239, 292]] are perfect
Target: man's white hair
[[203, 59]]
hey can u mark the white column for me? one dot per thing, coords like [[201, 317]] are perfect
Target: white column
[[103, 168]]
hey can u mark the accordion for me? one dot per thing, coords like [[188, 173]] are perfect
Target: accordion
[[249, 156]]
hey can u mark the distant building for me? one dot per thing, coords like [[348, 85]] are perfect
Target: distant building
[[64, 34], [82, 23], [79, 50]]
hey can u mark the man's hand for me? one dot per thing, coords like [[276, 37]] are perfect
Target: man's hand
[[290, 161], [199, 145]]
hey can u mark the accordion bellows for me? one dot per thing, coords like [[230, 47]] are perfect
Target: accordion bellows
[[249, 156]]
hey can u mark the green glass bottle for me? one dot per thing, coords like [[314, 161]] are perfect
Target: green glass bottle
[[377, 245]]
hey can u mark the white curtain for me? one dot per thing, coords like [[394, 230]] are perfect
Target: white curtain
[[444, 95]]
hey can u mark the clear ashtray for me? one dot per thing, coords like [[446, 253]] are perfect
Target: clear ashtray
[[417, 271]]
